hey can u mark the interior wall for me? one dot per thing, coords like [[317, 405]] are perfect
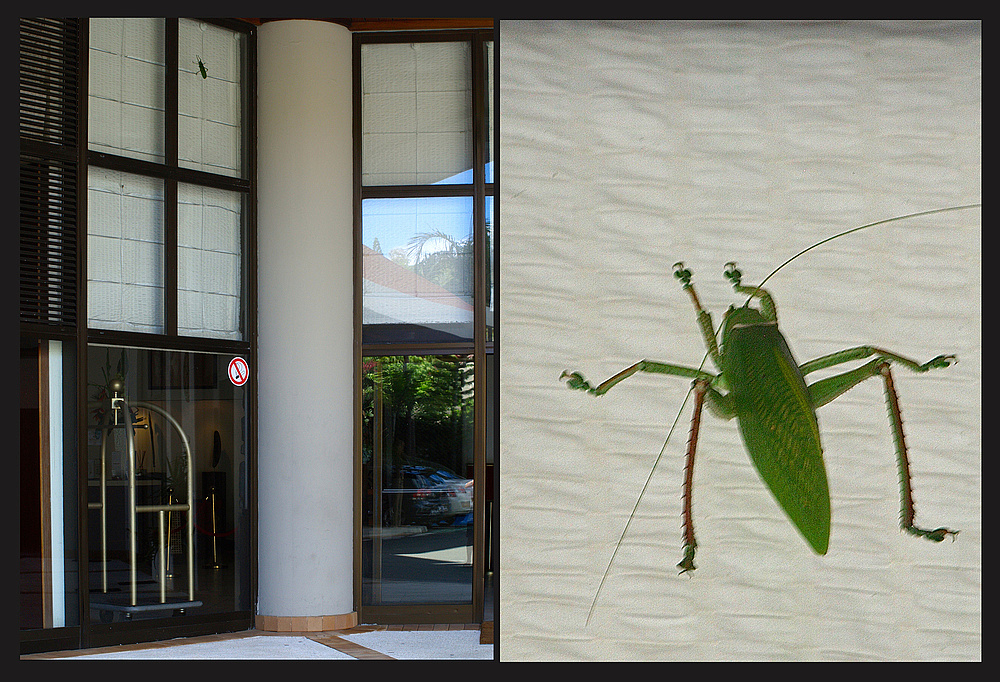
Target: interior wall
[[626, 147]]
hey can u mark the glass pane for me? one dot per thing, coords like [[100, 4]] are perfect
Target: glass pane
[[210, 101], [490, 281], [416, 113], [177, 447], [126, 99], [418, 269], [209, 269], [490, 84], [49, 592], [492, 410], [124, 251], [417, 462]]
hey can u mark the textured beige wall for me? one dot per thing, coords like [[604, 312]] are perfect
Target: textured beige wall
[[626, 147]]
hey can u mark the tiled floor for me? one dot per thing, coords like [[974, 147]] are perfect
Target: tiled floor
[[333, 639]]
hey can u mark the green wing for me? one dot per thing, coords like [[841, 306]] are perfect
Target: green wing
[[778, 424]]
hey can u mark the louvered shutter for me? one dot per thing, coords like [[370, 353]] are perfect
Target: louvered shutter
[[49, 171]]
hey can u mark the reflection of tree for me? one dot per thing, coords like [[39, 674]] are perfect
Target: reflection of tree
[[448, 265], [439, 257], [426, 412]]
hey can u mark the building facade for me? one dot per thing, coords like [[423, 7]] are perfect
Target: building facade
[[256, 326]]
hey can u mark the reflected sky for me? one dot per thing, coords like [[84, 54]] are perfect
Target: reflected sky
[[395, 221]]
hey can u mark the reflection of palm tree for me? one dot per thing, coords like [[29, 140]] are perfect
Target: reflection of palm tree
[[419, 241], [449, 266]]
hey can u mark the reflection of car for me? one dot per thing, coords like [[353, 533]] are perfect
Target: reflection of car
[[418, 499], [457, 491]]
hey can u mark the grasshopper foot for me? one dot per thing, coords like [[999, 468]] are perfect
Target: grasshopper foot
[[938, 362], [576, 381], [687, 563], [936, 535], [733, 274], [683, 274]]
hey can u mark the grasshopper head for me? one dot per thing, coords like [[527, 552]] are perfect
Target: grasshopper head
[[742, 316], [738, 317]]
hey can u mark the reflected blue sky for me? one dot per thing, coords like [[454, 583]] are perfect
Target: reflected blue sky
[[395, 221]]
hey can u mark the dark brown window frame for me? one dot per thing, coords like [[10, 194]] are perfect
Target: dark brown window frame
[[171, 173], [44, 150], [482, 351]]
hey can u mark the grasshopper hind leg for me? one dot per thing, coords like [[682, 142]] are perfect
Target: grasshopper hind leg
[[689, 543], [907, 511]]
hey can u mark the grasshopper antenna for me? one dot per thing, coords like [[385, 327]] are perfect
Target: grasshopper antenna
[[907, 216]]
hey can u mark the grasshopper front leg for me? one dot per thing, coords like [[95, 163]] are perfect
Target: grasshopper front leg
[[576, 380], [704, 317], [767, 307]]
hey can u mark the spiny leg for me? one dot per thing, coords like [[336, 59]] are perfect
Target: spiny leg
[[906, 512], [724, 409], [687, 563], [826, 390]]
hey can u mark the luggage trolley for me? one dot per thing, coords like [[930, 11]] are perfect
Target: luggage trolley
[[121, 418]]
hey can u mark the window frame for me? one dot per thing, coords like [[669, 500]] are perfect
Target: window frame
[[478, 189], [481, 349], [73, 327], [171, 173]]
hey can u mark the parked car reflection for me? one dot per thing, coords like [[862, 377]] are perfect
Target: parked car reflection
[[457, 491], [426, 495], [414, 498]]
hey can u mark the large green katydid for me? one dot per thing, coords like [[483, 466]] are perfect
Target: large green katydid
[[764, 388]]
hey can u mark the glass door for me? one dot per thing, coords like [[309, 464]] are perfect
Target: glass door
[[423, 212], [418, 480], [167, 484]]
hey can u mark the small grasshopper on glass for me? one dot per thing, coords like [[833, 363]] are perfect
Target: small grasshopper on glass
[[760, 384], [202, 69]]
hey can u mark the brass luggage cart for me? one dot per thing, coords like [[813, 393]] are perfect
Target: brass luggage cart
[[121, 418]]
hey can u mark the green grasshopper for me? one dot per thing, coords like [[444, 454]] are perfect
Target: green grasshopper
[[202, 68], [761, 385]]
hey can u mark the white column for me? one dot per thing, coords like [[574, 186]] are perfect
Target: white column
[[305, 316]]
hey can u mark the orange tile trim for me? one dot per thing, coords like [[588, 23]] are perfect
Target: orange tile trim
[[342, 621]]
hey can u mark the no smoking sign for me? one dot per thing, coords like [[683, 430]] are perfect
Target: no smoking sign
[[238, 371]]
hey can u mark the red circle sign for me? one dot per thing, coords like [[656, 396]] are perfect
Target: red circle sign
[[238, 371]]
